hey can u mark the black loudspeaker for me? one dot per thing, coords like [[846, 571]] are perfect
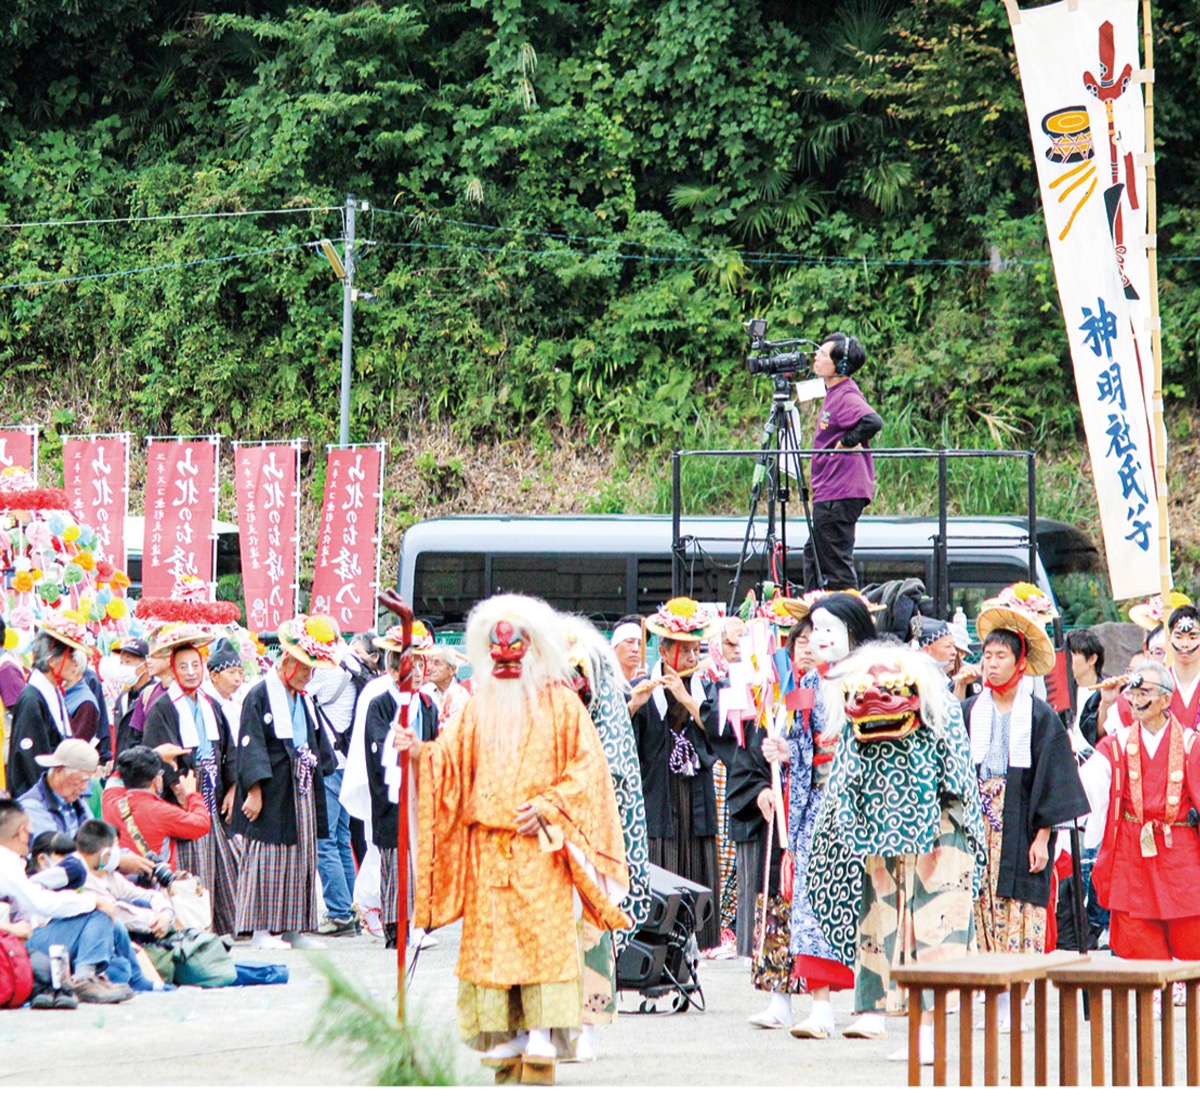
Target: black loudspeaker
[[661, 957]]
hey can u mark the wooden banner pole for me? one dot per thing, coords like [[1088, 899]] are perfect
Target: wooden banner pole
[[1160, 433]]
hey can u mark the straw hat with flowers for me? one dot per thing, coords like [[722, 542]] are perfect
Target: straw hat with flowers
[[1023, 609]]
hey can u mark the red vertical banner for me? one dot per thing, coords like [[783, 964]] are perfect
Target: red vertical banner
[[96, 480], [18, 449], [345, 575], [268, 498], [181, 479]]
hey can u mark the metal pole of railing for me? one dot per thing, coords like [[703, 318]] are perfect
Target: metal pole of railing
[[1033, 549], [942, 554], [676, 514]]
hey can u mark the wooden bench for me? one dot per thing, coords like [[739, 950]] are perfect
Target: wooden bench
[[1119, 977], [993, 973]]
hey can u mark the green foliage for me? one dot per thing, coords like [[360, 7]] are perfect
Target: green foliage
[[397, 1053], [574, 207]]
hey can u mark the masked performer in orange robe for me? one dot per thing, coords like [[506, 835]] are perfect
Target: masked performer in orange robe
[[519, 831]]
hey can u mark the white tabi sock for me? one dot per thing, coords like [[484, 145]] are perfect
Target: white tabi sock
[[511, 1049], [822, 1014], [540, 1045], [781, 1006]]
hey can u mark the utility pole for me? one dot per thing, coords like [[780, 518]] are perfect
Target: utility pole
[[348, 261]]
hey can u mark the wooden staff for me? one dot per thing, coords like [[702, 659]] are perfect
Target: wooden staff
[[390, 600], [1160, 433]]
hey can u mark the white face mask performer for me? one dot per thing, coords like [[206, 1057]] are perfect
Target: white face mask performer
[[829, 639]]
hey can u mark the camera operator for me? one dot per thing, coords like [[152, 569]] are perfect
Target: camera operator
[[842, 483], [156, 820]]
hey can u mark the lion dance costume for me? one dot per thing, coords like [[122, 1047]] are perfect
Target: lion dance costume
[[898, 853]]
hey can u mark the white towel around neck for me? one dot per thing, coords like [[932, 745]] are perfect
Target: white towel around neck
[[189, 734], [1020, 728]]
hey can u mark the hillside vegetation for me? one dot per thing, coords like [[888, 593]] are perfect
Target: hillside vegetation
[[574, 205]]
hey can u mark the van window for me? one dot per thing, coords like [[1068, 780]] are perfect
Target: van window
[[447, 585], [575, 583], [972, 584]]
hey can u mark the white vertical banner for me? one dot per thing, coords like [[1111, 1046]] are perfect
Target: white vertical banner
[[1080, 73]]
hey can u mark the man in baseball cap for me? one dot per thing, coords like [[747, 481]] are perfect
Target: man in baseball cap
[[133, 676], [57, 802]]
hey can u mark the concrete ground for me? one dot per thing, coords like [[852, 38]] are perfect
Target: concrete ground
[[257, 1035]]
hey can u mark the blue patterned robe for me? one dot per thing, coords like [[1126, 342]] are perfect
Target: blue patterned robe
[[805, 796], [610, 714]]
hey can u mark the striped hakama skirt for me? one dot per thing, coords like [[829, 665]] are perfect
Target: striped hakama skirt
[[691, 856], [277, 885]]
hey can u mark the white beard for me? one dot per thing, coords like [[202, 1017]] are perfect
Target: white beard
[[506, 707]]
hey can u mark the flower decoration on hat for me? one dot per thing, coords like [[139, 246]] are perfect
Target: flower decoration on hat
[[66, 628], [1028, 599], [1148, 615], [778, 612], [393, 639], [681, 619], [421, 636], [180, 634], [312, 640]]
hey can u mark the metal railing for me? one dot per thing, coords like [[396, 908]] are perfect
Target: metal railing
[[772, 459]]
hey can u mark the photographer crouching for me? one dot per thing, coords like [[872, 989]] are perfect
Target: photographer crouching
[[843, 483], [147, 822]]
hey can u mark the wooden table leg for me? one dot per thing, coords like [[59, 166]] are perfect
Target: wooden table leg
[[1120, 1036], [1168, 1036], [914, 1039], [1068, 1036], [939, 1036], [1096, 1020], [1041, 1056], [991, 1036], [1016, 1045], [1192, 1035], [1145, 1036], [966, 1036]]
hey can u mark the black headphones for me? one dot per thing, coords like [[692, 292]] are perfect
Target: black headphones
[[841, 359]]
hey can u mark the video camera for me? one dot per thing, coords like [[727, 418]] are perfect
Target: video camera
[[787, 366]]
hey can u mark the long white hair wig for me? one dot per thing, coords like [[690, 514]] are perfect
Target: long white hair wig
[[599, 660], [931, 682], [507, 705]]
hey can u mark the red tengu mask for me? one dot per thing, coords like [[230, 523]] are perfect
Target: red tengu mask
[[883, 704], [507, 648]]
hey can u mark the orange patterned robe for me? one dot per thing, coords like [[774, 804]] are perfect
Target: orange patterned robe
[[517, 902]]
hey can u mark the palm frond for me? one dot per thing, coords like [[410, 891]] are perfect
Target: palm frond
[[886, 184], [691, 196]]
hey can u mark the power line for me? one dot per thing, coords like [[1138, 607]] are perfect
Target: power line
[[157, 267], [750, 257], [169, 217], [757, 257]]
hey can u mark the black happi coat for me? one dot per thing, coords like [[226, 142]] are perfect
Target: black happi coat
[[749, 774], [32, 723], [126, 706], [1049, 792], [381, 712], [162, 726], [264, 759], [652, 734]]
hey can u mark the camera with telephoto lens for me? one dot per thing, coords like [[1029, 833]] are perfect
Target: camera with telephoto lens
[[788, 365], [159, 876]]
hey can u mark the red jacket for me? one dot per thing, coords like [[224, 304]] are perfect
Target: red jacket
[[155, 818]]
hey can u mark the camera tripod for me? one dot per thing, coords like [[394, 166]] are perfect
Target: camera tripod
[[779, 440]]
